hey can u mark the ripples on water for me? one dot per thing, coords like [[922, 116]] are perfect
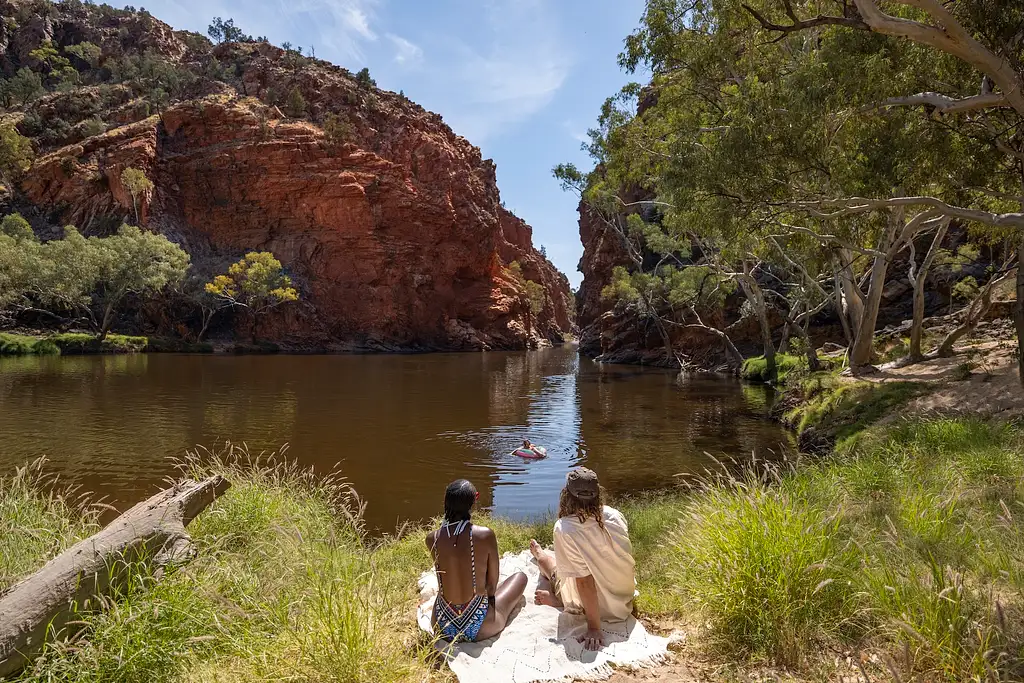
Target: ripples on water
[[398, 427]]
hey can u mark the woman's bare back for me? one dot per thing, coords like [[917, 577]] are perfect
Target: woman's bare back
[[455, 563]]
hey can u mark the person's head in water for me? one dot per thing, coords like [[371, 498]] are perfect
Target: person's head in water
[[582, 496], [527, 444], [459, 498]]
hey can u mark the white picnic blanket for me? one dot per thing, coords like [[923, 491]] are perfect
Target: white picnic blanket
[[539, 644]]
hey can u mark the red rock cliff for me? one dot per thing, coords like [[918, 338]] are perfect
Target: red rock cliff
[[390, 223]]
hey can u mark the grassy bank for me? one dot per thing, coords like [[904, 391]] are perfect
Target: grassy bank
[[75, 343], [908, 545]]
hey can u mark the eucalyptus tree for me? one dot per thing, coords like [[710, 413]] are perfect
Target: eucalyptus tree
[[751, 137], [973, 54]]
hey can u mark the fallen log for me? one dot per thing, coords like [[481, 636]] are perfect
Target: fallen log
[[150, 535]]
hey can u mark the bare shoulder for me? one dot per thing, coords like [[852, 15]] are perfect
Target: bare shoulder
[[430, 539], [484, 533]]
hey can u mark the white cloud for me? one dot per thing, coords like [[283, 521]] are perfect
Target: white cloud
[[407, 53], [575, 133], [515, 76], [354, 17], [343, 27]]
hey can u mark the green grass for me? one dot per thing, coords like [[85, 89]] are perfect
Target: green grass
[[20, 345], [907, 544], [840, 409], [756, 369], [69, 343], [36, 521], [283, 588], [78, 343]]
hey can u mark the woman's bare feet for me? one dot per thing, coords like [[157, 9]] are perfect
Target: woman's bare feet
[[545, 559], [547, 598]]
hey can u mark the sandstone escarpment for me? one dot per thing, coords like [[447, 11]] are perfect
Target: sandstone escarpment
[[389, 222], [613, 333]]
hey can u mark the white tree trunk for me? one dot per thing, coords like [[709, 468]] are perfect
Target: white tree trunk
[[918, 276], [39, 608], [864, 344], [756, 298]]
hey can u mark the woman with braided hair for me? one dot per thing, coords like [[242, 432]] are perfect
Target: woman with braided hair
[[471, 605]]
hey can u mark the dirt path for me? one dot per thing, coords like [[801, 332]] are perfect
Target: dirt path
[[992, 389]]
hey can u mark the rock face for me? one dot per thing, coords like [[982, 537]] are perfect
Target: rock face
[[614, 335], [390, 223]]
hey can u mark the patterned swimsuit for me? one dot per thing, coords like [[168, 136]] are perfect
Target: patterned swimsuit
[[459, 622]]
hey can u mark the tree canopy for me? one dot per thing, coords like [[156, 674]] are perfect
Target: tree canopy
[[772, 129]]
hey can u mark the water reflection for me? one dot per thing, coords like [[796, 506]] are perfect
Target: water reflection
[[398, 427]]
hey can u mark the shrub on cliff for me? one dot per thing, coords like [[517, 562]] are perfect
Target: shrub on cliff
[[337, 128], [15, 226], [364, 80], [25, 86], [295, 105], [137, 184], [16, 153], [536, 295]]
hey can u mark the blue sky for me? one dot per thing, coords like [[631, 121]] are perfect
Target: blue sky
[[522, 79]]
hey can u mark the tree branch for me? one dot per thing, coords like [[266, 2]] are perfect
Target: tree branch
[[944, 104], [949, 37], [856, 205], [801, 24]]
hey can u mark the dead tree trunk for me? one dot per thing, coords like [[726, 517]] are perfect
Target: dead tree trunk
[[39, 608]]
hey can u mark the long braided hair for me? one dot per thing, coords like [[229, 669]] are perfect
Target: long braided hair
[[459, 498]]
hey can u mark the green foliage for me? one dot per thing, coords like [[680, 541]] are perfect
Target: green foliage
[[25, 86], [69, 275], [56, 67], [770, 571], [154, 77], [136, 262], [966, 289], [841, 409], [72, 343], [137, 184], [756, 369], [295, 105], [364, 80], [34, 524], [536, 295], [281, 559], [93, 127], [226, 32], [15, 226], [337, 128], [87, 52], [256, 283], [16, 153], [21, 345]]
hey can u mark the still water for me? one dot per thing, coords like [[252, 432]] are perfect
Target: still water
[[399, 428]]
